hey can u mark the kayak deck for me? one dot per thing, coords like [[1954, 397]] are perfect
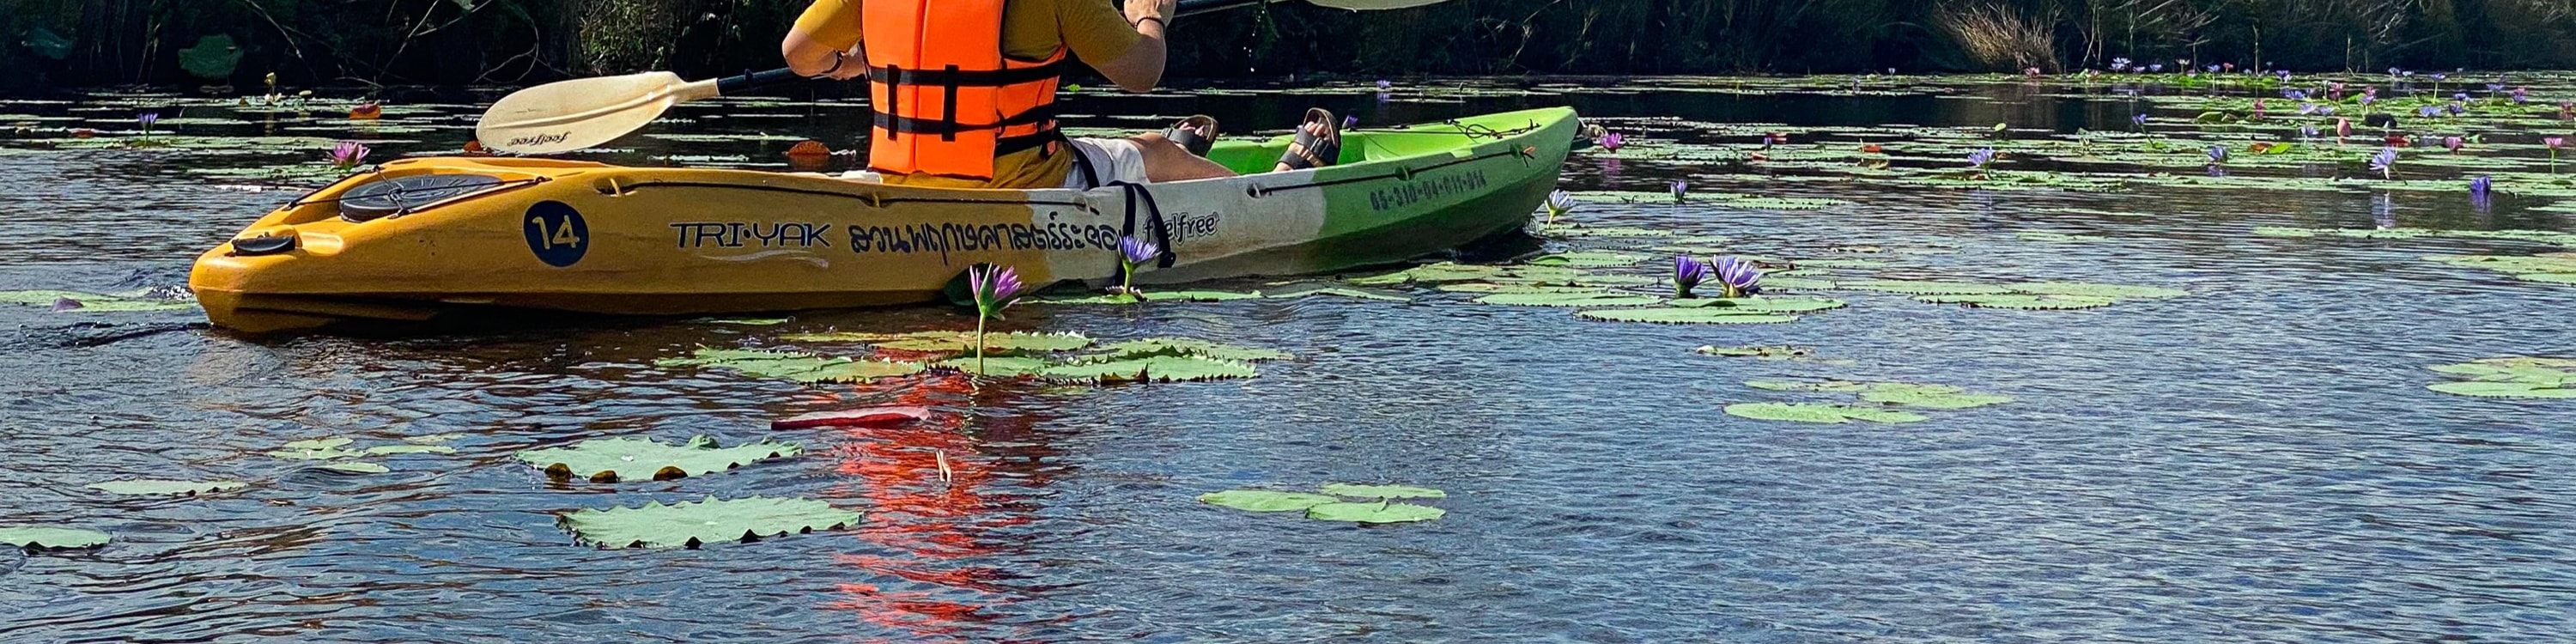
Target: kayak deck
[[595, 238]]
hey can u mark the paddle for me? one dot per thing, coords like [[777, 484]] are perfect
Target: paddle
[[575, 114]]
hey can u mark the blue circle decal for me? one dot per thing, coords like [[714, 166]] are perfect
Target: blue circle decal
[[556, 233]]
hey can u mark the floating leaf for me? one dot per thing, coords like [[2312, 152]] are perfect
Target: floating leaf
[[1590, 259], [317, 449], [1670, 315], [1265, 500], [1764, 352], [1824, 385], [1382, 491], [2086, 289], [1933, 398], [853, 417], [433, 438], [2045, 236], [1013, 343], [52, 538], [1820, 413], [356, 467], [157, 487], [1761, 305], [1150, 347], [996, 366], [609, 460], [92, 302], [2484, 389], [409, 449], [1433, 273], [1516, 287], [1335, 291], [1836, 263], [1577, 299], [1911, 287], [213, 59], [2023, 302], [801, 367], [1380, 512], [1161, 368], [1571, 231], [689, 525]]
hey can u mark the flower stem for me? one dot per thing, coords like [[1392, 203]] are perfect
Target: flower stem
[[979, 345]]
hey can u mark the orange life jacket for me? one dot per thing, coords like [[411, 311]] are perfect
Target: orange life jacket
[[947, 100]]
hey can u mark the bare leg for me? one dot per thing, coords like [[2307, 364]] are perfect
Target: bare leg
[[1168, 161]]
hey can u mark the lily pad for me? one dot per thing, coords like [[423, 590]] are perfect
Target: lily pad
[[689, 525], [2487, 389], [93, 302], [1670, 315], [1434, 273], [1013, 343], [1590, 259], [1335, 291], [52, 538], [1773, 352], [2087, 289], [157, 487], [1150, 347], [996, 366], [1761, 305], [1574, 299], [356, 467], [1160, 368], [1379, 512], [409, 449], [801, 367], [2023, 302], [1155, 296], [2045, 236], [317, 449], [1382, 491], [1933, 398], [1820, 413], [609, 460], [1265, 500], [1911, 287]]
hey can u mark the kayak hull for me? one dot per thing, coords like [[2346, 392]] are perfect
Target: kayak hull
[[591, 238]]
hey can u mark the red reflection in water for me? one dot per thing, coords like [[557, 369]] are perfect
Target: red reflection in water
[[929, 525]]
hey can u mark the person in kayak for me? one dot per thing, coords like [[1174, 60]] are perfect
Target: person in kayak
[[964, 91]]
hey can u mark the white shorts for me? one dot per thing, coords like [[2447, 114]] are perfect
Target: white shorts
[[1114, 160]]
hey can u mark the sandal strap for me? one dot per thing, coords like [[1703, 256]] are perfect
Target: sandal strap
[[1319, 148], [1190, 140]]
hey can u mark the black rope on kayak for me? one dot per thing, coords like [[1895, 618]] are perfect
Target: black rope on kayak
[[1405, 174], [1480, 129], [1136, 193], [345, 195]]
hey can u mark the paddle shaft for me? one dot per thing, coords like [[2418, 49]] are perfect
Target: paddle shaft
[[754, 80]]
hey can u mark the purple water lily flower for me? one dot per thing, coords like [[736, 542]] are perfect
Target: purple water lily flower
[[2456, 109], [2454, 143], [2120, 64], [2307, 131], [1740, 277], [147, 119], [2327, 110], [1687, 274], [2307, 109], [1349, 122], [2385, 163], [2438, 77], [1383, 85], [1981, 158], [2429, 111], [1680, 189], [2554, 142], [2392, 71], [348, 154], [2218, 154], [2284, 73], [2462, 96], [2481, 187], [2521, 95], [62, 304], [1610, 141], [2139, 120], [2295, 94], [995, 288], [2213, 69], [1138, 251], [1559, 203], [2367, 99], [2158, 68]]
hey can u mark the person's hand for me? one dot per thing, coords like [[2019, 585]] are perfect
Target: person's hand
[[1138, 10], [853, 65]]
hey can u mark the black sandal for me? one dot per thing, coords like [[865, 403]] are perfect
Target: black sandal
[[1186, 133], [1319, 150]]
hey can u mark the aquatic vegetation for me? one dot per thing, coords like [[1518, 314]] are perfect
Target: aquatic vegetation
[[2024, 302], [1826, 413], [1688, 272], [355, 467], [347, 155], [2510, 377], [1434, 273], [1924, 287], [1687, 315], [2385, 163], [1332, 505], [1558, 204], [78, 302], [609, 460], [1589, 259], [1011, 343], [690, 525], [2555, 268], [317, 449], [159, 487], [2217, 154], [2481, 187], [788, 365], [1979, 159], [1153, 368], [995, 288], [2045, 236], [1680, 189], [2553, 143], [1133, 253], [1740, 277], [1569, 299], [52, 538]]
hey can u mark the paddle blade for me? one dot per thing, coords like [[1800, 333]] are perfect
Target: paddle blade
[[1374, 5], [575, 114]]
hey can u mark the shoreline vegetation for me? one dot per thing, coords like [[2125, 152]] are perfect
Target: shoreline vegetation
[[74, 43]]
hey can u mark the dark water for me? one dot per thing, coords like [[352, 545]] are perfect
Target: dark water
[[2258, 462]]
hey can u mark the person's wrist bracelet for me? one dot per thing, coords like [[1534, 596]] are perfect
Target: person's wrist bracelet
[[1167, 25], [838, 57]]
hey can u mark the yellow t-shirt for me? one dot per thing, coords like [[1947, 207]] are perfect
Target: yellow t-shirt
[[1031, 29]]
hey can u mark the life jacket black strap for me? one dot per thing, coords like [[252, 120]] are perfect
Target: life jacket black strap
[[891, 123], [953, 77]]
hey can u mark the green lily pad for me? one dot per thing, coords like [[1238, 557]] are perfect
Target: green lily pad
[[409, 449], [1574, 299], [1335, 291], [157, 487], [996, 366], [1150, 347], [213, 59], [1911, 287], [1571, 231], [1835, 263], [1783, 203], [1815, 385], [2485, 389], [1161, 368], [355, 467], [800, 367], [1671, 315], [2023, 302], [1774, 352], [1590, 259], [1515, 287], [1013, 343], [689, 525], [1820, 413], [1380, 512], [1433, 274], [1382, 491], [433, 438], [1265, 500], [2045, 236], [52, 538], [317, 449], [2086, 289], [609, 460], [1761, 305], [1929, 398], [93, 302], [1199, 296]]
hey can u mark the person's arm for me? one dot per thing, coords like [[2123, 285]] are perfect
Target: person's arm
[[825, 41], [1129, 50]]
